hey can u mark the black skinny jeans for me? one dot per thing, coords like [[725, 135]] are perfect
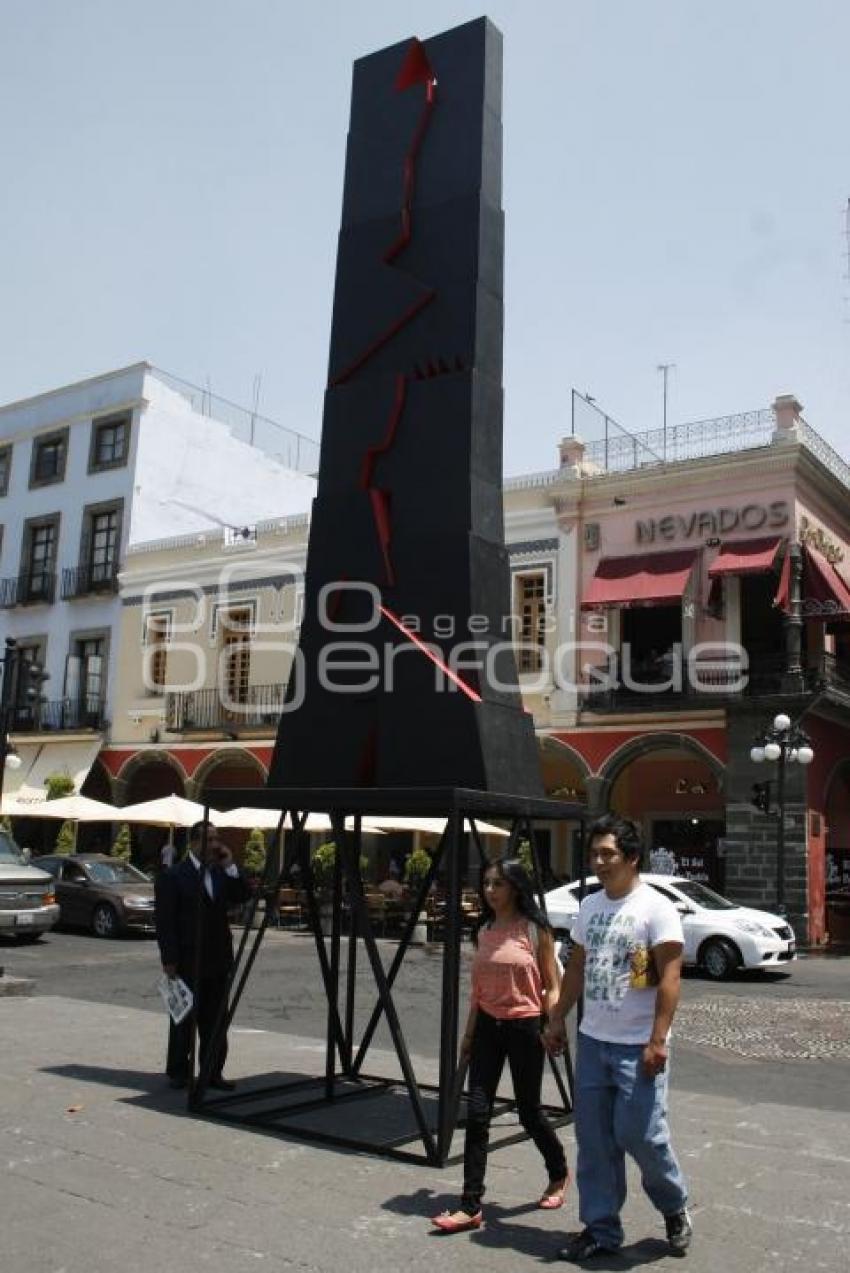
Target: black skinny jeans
[[518, 1040]]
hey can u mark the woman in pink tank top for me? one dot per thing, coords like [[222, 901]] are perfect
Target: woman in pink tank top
[[514, 976]]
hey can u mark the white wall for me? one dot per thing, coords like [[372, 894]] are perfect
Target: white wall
[[192, 473], [185, 472]]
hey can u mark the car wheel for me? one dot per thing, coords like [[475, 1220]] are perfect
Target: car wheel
[[27, 939], [719, 959], [104, 921]]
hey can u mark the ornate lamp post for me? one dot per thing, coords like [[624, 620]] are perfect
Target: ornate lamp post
[[785, 743], [22, 682]]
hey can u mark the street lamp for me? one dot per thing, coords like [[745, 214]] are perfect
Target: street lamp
[[784, 743]]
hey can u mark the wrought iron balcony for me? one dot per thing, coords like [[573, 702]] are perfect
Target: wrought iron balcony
[[82, 581], [27, 589], [214, 709], [833, 672], [704, 684], [64, 713]]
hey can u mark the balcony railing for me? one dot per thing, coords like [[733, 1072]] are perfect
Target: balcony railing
[[707, 683], [27, 589], [82, 581], [64, 713], [207, 709]]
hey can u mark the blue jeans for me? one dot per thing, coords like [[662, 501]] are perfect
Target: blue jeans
[[620, 1110]]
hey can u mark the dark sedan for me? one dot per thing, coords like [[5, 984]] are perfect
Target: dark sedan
[[101, 893]]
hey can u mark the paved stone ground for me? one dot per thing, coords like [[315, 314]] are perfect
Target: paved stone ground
[[769, 1029], [105, 1170]]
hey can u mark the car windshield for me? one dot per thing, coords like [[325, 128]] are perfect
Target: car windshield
[[10, 854], [696, 892], [115, 873]]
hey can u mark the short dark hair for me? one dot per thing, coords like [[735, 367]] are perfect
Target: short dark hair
[[196, 831], [625, 832]]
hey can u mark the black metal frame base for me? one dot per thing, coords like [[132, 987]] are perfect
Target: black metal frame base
[[343, 1079]]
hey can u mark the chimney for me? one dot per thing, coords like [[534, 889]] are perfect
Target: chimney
[[788, 411]]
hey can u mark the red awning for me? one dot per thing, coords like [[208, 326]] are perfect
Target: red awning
[[825, 593], [783, 592], [745, 557], [652, 579]]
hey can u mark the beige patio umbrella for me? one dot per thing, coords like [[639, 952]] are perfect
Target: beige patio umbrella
[[435, 826], [69, 809], [268, 819], [167, 811]]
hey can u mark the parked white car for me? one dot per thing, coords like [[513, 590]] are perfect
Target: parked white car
[[720, 936]]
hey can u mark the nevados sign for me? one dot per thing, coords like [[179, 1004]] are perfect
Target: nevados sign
[[713, 521]]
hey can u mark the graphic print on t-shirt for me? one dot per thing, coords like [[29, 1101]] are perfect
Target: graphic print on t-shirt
[[615, 959]]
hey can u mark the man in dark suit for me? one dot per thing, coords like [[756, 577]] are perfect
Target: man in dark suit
[[194, 897]]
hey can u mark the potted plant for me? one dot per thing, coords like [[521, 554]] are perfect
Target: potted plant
[[254, 854], [416, 868], [121, 846], [66, 840], [322, 864], [525, 859], [254, 864]]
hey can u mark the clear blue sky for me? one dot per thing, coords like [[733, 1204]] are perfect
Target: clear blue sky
[[675, 174]]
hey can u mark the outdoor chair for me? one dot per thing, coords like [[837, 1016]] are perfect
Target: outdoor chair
[[288, 906], [376, 906]]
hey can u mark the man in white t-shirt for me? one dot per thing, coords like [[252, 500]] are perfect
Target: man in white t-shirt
[[627, 961]]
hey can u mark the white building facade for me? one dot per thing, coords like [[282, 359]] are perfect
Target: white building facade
[[87, 472]]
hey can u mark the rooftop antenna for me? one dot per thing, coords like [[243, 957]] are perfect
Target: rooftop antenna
[[665, 368], [847, 254], [258, 380]]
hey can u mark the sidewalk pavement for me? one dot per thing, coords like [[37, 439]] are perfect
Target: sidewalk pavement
[[106, 1170]]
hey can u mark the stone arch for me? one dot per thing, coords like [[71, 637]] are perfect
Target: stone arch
[[228, 758], [563, 769], [230, 767], [98, 783], [646, 744], [93, 837], [554, 750], [147, 776], [677, 799], [128, 774]]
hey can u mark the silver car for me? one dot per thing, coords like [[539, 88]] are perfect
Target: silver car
[[28, 905]]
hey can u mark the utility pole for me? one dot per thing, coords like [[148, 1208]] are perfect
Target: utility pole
[[665, 368]]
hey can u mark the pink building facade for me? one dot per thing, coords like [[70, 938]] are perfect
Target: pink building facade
[[710, 596]]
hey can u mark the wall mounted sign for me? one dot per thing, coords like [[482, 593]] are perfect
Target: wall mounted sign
[[591, 536], [685, 788], [817, 538], [710, 522]]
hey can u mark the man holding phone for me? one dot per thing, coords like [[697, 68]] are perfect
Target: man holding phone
[[192, 902]]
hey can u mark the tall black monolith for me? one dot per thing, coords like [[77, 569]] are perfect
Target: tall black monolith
[[405, 674]]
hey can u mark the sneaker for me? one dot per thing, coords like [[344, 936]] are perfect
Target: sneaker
[[583, 1247], [679, 1231]]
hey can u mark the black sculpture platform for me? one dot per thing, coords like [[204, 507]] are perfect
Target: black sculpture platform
[[346, 1105]]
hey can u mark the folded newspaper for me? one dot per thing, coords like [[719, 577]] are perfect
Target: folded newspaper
[[176, 996]]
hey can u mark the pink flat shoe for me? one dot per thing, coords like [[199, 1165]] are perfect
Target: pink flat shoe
[[554, 1199], [457, 1221]]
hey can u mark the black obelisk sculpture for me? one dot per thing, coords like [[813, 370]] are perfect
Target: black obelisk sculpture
[[405, 675]]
